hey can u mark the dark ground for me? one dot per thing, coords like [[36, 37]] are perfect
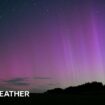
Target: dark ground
[[86, 94]]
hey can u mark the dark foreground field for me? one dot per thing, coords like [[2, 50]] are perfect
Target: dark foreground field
[[76, 99], [86, 94]]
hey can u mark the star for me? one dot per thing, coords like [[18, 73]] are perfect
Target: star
[[1, 17], [47, 10], [97, 12], [13, 9], [34, 4]]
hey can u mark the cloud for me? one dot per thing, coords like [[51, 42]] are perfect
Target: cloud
[[42, 78], [17, 81], [37, 90], [4, 88]]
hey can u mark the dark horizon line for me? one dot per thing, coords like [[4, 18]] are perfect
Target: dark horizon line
[[77, 86]]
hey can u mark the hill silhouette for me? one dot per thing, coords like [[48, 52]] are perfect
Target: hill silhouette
[[88, 93], [87, 88]]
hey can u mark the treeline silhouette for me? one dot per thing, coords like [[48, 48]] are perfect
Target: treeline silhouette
[[88, 93], [87, 88]]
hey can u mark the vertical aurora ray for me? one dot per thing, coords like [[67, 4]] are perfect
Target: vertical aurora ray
[[53, 44]]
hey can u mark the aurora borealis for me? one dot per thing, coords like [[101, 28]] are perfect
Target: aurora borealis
[[51, 43]]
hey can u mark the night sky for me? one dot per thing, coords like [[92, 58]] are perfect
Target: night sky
[[46, 44]]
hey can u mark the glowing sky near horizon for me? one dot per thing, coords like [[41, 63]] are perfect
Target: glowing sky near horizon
[[51, 43]]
